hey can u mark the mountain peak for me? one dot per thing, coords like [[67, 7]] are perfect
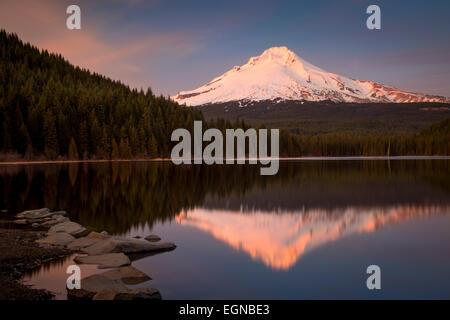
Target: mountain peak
[[281, 55], [279, 52], [278, 73]]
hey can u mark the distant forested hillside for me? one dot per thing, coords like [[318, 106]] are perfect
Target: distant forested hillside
[[50, 108], [431, 141], [330, 129], [326, 117]]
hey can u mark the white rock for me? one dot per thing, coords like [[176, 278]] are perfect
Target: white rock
[[96, 235], [60, 239], [82, 243], [140, 246], [139, 294], [109, 260], [105, 294], [101, 247], [127, 246], [127, 275], [94, 284], [55, 220], [49, 215], [152, 238], [33, 214], [68, 227], [99, 287]]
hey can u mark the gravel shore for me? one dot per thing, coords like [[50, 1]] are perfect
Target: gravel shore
[[20, 254]]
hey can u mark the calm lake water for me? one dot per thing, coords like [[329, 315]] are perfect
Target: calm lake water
[[308, 232]]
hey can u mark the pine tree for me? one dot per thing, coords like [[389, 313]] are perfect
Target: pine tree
[[50, 136], [84, 140], [124, 149], [105, 144], [152, 147], [134, 142], [115, 154], [95, 133], [23, 139]]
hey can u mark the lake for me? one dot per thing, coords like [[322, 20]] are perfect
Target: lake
[[308, 232]]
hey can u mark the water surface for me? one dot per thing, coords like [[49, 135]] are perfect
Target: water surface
[[308, 232]]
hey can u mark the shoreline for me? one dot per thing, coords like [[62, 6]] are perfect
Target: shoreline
[[55, 236], [308, 158], [19, 254], [80, 161]]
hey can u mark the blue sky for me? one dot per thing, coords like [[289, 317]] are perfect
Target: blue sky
[[180, 45]]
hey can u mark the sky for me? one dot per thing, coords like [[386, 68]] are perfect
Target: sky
[[177, 45]]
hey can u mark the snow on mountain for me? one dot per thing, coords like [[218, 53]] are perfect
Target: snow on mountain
[[279, 73]]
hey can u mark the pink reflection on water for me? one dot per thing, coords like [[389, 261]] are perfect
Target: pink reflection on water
[[280, 239]]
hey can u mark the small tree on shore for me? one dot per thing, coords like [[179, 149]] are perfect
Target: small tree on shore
[[73, 150], [115, 150]]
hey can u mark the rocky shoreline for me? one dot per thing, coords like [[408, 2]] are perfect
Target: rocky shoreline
[[64, 237], [20, 254]]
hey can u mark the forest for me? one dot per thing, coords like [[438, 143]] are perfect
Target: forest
[[52, 110]]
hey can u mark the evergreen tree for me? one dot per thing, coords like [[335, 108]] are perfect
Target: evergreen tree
[[105, 144], [124, 149], [115, 154], [84, 140], [50, 136], [152, 147], [73, 150]]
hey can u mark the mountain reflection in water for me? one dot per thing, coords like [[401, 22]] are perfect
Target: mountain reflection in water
[[277, 236], [279, 239]]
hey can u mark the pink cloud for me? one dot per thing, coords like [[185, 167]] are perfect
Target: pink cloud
[[122, 58]]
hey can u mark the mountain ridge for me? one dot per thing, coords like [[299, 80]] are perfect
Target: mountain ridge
[[278, 73]]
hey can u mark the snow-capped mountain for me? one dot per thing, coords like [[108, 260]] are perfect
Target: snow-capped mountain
[[279, 73]]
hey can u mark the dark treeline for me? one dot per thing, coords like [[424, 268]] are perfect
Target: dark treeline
[[434, 140], [50, 109]]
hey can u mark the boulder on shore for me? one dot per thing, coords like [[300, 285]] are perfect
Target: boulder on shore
[[68, 227], [91, 285], [139, 294], [109, 260], [127, 275], [99, 287], [48, 222], [127, 246], [152, 238], [140, 246], [83, 242], [39, 215], [96, 235], [58, 239], [105, 294], [33, 214]]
